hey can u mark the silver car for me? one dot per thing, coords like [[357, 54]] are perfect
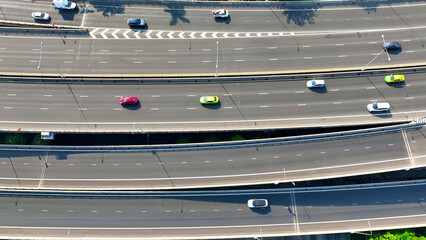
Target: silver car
[[378, 107], [40, 16], [257, 203]]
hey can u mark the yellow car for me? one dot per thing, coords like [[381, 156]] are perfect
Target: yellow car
[[394, 78], [209, 100]]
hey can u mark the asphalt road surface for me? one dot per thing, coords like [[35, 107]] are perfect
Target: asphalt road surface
[[176, 107], [192, 167], [216, 214], [183, 38]]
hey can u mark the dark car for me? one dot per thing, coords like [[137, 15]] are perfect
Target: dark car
[[392, 45], [136, 22]]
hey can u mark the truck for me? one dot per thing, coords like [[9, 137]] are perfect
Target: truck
[[64, 4]]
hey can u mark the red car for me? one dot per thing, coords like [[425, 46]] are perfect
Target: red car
[[129, 100]]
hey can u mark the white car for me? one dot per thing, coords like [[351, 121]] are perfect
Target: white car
[[378, 107], [315, 83], [220, 13], [40, 16], [257, 203]]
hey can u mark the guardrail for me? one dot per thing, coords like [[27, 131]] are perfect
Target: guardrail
[[223, 145], [204, 78]]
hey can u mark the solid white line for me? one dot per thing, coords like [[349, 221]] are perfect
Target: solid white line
[[407, 145]]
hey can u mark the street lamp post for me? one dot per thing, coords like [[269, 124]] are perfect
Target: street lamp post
[[217, 57], [41, 50], [384, 47]]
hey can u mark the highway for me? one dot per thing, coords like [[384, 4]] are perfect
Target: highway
[[176, 215], [183, 39], [200, 166], [176, 107]]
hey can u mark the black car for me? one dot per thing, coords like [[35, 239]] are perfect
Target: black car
[[136, 22]]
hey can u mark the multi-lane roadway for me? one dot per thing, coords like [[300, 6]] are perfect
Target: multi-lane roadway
[[176, 107], [195, 215], [183, 39], [210, 165]]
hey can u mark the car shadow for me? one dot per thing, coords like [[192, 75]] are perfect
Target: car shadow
[[132, 107], [319, 90], [263, 211], [68, 15], [397, 84], [136, 29], [395, 51], [43, 21], [212, 106], [223, 20], [386, 114]]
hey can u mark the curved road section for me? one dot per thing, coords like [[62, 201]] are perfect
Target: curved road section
[[207, 215], [269, 161]]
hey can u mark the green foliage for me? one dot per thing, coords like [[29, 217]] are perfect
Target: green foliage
[[258, 136], [398, 234], [212, 138], [16, 139], [38, 141], [237, 138], [183, 140]]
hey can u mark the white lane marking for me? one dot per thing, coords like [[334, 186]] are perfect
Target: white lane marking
[[114, 33], [44, 108], [322, 152], [264, 106], [137, 62], [170, 35], [390, 144], [154, 109], [409, 98], [410, 51], [44, 210], [225, 35], [339, 44], [206, 61], [183, 162], [191, 210], [190, 108], [159, 34], [136, 34], [374, 100], [117, 109], [92, 33], [272, 47], [47, 95], [301, 104], [372, 42], [370, 87], [192, 35], [125, 33], [172, 62], [228, 107], [307, 58], [203, 35], [347, 150], [263, 93], [239, 49], [240, 60], [367, 147], [306, 46], [33, 61], [253, 158], [70, 211], [335, 90], [67, 61], [181, 35], [190, 95], [8, 107], [207, 161], [205, 49], [36, 49], [82, 109], [406, 40], [342, 56], [299, 91], [214, 35], [172, 50], [138, 50], [273, 59], [103, 33], [337, 102], [70, 50], [155, 96], [299, 155], [148, 34], [230, 160], [227, 94], [103, 62], [11, 94], [2, 48]]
